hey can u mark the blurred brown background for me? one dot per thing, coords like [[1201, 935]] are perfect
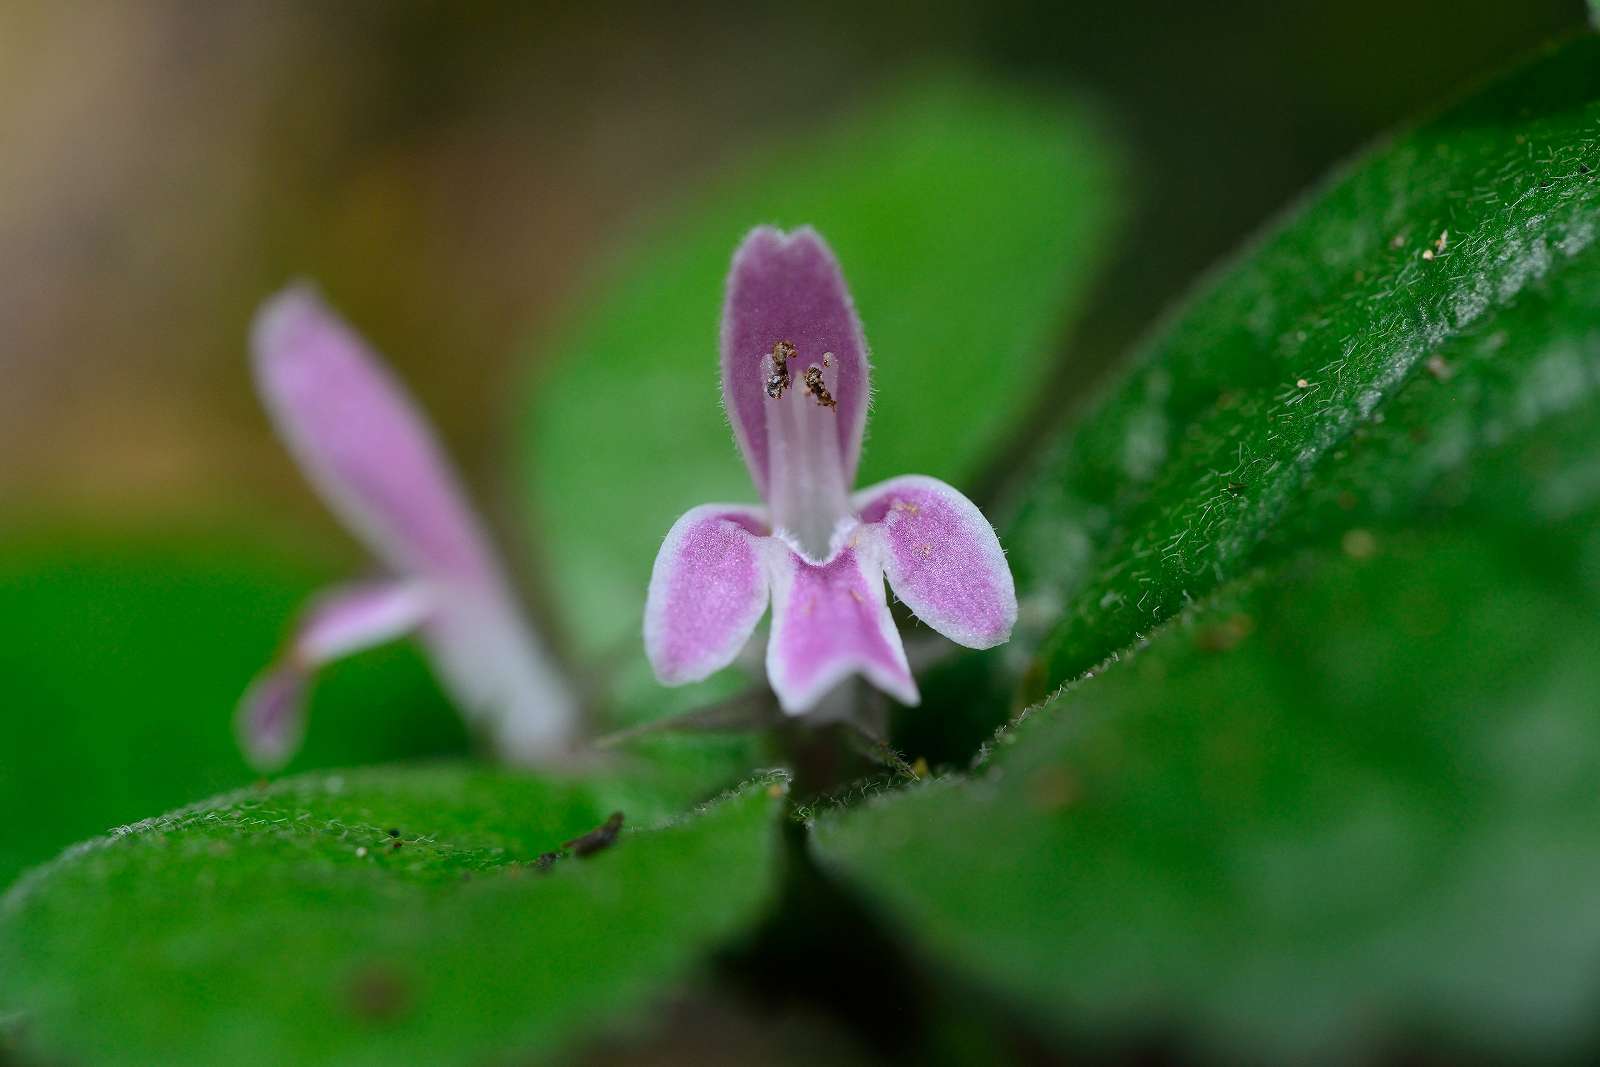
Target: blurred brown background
[[451, 173]]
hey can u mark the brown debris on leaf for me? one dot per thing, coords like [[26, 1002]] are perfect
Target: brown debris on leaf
[[601, 837]]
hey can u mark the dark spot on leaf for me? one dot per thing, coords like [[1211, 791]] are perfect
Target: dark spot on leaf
[[1236, 488], [1052, 789], [1226, 634], [394, 831], [396, 845], [378, 994], [601, 837], [545, 861]]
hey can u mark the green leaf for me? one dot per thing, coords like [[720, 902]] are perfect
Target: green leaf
[[1344, 806], [289, 925], [123, 660], [968, 222], [1448, 247], [1316, 777]]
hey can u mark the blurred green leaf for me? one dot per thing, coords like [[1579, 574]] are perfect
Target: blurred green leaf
[[1344, 805], [968, 222], [1412, 263], [291, 925], [123, 660], [1320, 775]]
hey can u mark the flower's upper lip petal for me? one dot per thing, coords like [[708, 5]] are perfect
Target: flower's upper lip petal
[[788, 287], [362, 441], [708, 590], [941, 557]]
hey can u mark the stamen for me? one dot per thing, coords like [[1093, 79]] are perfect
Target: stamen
[[814, 386], [779, 380]]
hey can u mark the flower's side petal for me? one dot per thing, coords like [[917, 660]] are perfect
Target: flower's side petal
[[502, 678], [829, 622], [361, 440], [942, 558], [707, 591], [271, 718], [359, 616], [788, 287]]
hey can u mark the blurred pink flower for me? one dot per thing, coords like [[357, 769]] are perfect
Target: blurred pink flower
[[370, 453], [794, 381]]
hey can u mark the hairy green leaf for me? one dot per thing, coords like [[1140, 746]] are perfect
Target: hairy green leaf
[[1468, 241], [1346, 804], [1319, 586], [381, 916]]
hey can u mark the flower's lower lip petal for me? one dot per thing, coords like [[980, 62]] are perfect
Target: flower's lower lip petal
[[942, 558], [708, 590], [830, 622], [271, 718]]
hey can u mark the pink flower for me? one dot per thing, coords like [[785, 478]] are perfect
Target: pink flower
[[373, 458], [794, 381]]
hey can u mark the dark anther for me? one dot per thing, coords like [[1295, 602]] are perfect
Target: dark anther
[[814, 386], [779, 380]]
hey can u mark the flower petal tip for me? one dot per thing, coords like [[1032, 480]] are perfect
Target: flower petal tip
[[270, 721], [283, 320]]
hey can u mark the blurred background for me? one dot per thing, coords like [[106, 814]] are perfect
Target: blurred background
[[454, 173]]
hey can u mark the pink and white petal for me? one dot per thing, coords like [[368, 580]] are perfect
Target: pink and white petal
[[708, 589], [788, 287], [271, 718], [359, 616], [361, 440], [941, 557], [830, 621], [501, 676]]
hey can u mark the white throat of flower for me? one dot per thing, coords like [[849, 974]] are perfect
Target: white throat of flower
[[805, 472]]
